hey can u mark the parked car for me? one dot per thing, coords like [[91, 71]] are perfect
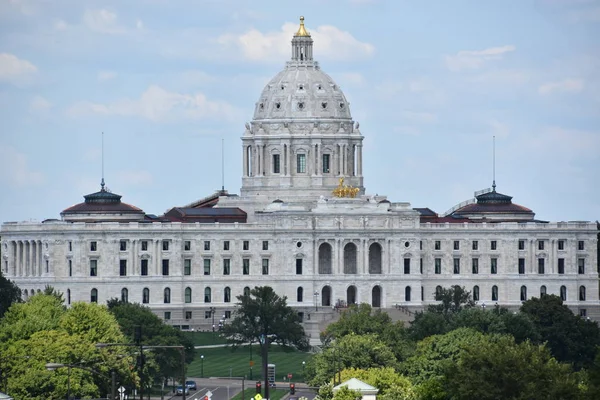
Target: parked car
[[191, 385], [180, 389]]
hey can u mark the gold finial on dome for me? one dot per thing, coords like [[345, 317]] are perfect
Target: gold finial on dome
[[302, 31]]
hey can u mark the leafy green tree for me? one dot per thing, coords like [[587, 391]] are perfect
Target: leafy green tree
[[570, 338], [50, 291], [452, 300], [9, 294], [498, 368], [344, 393], [263, 316], [390, 383], [350, 351], [39, 313], [427, 323]]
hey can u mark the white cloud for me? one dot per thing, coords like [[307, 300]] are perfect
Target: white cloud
[[568, 85], [475, 59], [15, 70], [102, 21], [160, 105], [39, 104], [15, 170], [106, 75], [332, 43]]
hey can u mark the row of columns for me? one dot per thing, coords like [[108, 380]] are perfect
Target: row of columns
[[26, 258]]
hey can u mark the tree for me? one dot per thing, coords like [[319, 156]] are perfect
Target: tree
[[350, 351], [570, 338], [498, 368], [391, 385], [9, 294], [39, 313], [263, 316], [452, 300]]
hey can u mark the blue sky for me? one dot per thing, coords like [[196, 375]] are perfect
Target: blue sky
[[431, 82]]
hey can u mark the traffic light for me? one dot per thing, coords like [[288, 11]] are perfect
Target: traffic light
[[258, 387], [292, 388], [205, 398]]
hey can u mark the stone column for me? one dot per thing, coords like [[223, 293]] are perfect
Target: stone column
[[30, 258], [18, 259], [40, 259], [359, 163], [245, 157]]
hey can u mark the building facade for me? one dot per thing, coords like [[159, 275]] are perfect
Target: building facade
[[304, 225]]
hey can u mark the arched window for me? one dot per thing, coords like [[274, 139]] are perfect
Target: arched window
[[227, 295], [246, 291], [325, 258], [299, 294], [523, 293], [375, 258], [68, 296], [188, 295], [94, 296], [563, 293], [476, 293], [376, 296], [146, 296], [494, 293], [581, 293], [351, 295], [438, 291], [167, 295], [207, 295], [326, 296], [407, 293], [543, 291], [124, 295], [350, 258]]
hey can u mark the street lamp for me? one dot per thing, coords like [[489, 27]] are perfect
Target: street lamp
[[55, 366], [142, 348], [303, 373], [202, 366]]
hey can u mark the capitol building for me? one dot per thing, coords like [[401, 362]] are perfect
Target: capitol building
[[304, 224]]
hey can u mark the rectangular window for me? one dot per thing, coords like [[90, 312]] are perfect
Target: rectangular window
[[276, 164], [70, 246], [582, 312], [165, 267], [144, 245], [561, 244], [206, 245], [326, 163], [581, 245], [93, 246], [70, 267], [494, 266], [93, 267], [541, 266], [207, 314], [167, 315], [475, 263], [123, 267], [561, 266], [188, 315], [246, 266], [207, 266], [438, 266], [246, 245], [298, 266], [226, 266], [475, 245], [144, 267], [407, 266], [301, 163], [227, 314], [187, 266], [265, 266], [265, 245], [521, 245], [421, 265], [122, 245], [420, 245], [540, 245], [456, 245], [187, 245], [165, 245], [437, 245], [581, 266], [521, 266], [457, 265], [226, 245], [494, 245]]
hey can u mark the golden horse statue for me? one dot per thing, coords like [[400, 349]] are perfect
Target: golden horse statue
[[345, 190]]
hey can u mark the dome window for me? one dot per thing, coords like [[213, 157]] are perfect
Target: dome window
[[342, 105], [320, 87], [301, 105], [301, 87], [282, 87], [261, 106], [324, 105], [278, 105]]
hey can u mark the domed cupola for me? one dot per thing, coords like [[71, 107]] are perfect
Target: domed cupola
[[302, 138]]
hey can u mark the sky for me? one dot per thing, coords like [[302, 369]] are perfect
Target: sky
[[170, 82]]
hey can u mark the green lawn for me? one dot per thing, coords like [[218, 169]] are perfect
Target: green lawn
[[204, 338], [222, 361]]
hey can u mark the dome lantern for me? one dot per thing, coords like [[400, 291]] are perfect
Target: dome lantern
[[302, 50]]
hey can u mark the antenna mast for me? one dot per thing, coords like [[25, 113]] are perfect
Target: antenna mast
[[222, 164], [102, 182], [494, 164]]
